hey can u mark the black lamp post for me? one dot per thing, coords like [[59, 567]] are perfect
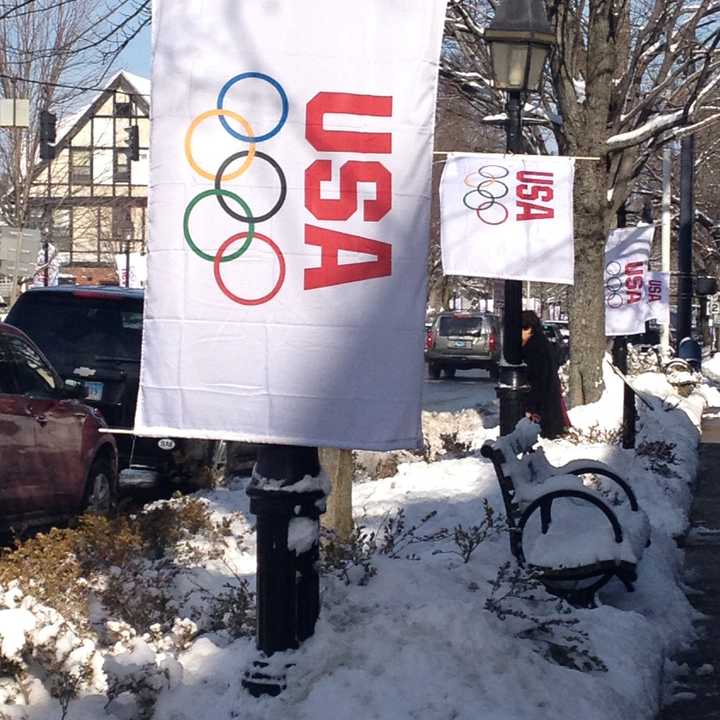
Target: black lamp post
[[520, 38]]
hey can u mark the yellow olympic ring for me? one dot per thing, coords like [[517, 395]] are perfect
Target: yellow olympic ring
[[481, 182], [214, 113]]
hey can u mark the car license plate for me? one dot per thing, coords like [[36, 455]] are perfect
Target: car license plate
[[93, 390], [459, 343]]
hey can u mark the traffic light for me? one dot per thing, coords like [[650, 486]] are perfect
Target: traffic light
[[47, 135], [133, 141]]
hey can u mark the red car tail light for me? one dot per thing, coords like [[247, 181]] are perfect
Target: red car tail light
[[492, 341], [429, 340]]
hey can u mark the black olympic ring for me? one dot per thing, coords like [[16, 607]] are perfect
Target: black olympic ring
[[493, 177], [613, 285], [252, 218]]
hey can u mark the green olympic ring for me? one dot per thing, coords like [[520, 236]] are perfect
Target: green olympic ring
[[186, 224]]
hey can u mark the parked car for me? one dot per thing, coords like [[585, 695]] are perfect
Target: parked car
[[54, 461], [93, 335], [559, 336], [463, 341]]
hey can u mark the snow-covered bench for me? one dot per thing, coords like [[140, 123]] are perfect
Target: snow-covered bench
[[578, 544]]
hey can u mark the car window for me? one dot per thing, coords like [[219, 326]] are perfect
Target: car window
[[450, 325], [73, 331], [7, 385], [32, 375]]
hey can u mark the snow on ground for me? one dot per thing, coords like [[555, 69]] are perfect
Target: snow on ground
[[431, 636]]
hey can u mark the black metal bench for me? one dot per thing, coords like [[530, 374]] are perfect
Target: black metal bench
[[531, 484]]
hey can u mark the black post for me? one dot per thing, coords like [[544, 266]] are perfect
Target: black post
[[620, 355], [288, 585], [619, 358], [685, 237], [513, 385], [46, 272], [127, 263]]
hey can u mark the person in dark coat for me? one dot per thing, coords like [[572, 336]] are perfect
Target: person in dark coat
[[544, 401]]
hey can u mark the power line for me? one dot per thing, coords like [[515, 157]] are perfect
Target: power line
[[67, 86]]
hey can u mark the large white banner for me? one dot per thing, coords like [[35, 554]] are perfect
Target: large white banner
[[289, 216], [508, 216], [627, 252]]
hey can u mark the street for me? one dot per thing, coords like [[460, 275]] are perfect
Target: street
[[470, 389]]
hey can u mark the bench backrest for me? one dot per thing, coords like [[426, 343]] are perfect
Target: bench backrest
[[511, 456]]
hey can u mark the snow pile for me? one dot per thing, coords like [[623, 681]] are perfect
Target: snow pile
[[444, 626], [606, 413], [711, 367]]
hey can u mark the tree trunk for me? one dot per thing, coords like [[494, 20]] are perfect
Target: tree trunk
[[587, 299], [338, 464]]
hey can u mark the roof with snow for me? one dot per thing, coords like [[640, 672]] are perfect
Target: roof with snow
[[129, 82]]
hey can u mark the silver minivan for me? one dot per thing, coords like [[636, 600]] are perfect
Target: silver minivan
[[463, 341]]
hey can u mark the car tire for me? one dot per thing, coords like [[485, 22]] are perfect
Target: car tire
[[101, 490], [449, 372], [434, 371]]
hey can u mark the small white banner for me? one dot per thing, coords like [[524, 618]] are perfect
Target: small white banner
[[658, 297], [136, 263], [508, 216], [627, 252], [53, 266]]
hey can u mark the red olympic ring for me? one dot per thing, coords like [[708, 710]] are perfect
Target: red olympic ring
[[221, 283], [488, 222]]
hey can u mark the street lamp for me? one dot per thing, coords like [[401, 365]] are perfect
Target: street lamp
[[520, 39]]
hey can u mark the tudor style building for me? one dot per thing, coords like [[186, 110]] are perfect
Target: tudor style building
[[90, 201]]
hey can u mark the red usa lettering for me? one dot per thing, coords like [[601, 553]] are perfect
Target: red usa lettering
[[533, 192], [331, 271], [634, 272], [654, 291]]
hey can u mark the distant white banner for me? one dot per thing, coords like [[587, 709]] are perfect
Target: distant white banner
[[508, 216], [627, 252], [289, 220], [136, 264], [658, 297]]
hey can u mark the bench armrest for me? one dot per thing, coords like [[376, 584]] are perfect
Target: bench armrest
[[544, 504]]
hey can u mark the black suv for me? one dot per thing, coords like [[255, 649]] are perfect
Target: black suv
[[93, 334]]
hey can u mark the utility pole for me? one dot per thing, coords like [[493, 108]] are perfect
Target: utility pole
[[685, 237], [666, 229]]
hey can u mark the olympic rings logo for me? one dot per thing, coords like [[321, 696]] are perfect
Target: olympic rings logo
[[613, 285], [488, 190], [222, 195]]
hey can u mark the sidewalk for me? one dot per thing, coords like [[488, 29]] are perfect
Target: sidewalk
[[697, 693]]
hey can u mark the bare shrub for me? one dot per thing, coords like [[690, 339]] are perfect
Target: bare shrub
[[547, 620]]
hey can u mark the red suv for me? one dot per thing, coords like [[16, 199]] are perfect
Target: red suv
[[54, 461]]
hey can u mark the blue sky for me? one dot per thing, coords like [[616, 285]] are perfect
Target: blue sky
[[136, 57]]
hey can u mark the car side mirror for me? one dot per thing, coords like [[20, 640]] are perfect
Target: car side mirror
[[73, 390]]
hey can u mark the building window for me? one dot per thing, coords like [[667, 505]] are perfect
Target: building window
[[80, 167], [122, 226], [60, 229], [121, 166], [123, 109]]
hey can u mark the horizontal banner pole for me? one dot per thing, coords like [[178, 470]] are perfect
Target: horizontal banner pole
[[502, 155]]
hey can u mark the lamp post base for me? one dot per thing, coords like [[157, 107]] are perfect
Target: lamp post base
[[264, 679]]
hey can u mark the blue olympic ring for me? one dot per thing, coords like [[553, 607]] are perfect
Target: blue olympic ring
[[283, 98]]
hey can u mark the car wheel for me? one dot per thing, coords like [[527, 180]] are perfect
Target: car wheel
[[449, 372], [434, 370], [100, 493]]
